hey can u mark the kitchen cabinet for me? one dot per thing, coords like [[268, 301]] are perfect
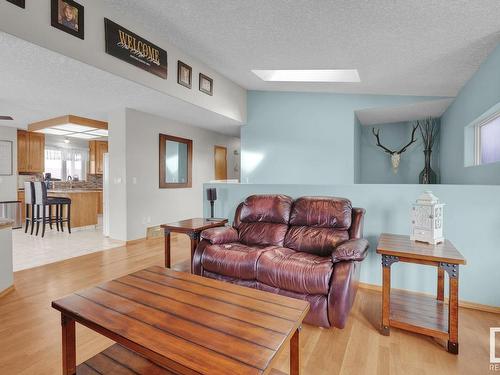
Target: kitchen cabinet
[[30, 152], [96, 157], [20, 198]]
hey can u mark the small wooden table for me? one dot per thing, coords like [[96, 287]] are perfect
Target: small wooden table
[[169, 322], [415, 312], [191, 227]]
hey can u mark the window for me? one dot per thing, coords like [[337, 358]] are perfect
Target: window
[[62, 163], [487, 140]]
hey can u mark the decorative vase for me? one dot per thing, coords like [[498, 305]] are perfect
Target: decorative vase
[[427, 176]]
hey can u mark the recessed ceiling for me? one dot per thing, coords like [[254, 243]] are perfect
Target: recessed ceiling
[[424, 47], [37, 84]]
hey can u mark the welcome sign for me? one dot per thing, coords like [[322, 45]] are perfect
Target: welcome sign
[[127, 46]]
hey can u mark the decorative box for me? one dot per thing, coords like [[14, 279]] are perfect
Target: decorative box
[[427, 219]]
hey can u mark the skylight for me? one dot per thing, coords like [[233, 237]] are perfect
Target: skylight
[[313, 75]]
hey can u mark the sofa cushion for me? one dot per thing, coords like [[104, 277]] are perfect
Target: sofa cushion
[[322, 212], [233, 260], [266, 208], [262, 234], [295, 271], [318, 241]]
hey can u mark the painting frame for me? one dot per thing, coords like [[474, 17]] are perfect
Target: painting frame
[[6, 155], [180, 69], [19, 3], [78, 29], [201, 84]]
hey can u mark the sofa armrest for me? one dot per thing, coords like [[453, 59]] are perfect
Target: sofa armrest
[[220, 235], [351, 250]]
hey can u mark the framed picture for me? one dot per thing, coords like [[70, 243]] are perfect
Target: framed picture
[[184, 74], [67, 15], [206, 84], [19, 3], [6, 153]]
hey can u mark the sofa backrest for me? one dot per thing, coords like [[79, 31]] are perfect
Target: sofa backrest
[[263, 219], [318, 224]]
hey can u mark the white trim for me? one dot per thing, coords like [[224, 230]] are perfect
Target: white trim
[[477, 136]]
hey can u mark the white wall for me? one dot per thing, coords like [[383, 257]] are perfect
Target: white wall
[[134, 158], [33, 24], [6, 276], [8, 184], [117, 175]]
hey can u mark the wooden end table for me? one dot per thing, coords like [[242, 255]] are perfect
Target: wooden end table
[[191, 227], [416, 312], [166, 322]]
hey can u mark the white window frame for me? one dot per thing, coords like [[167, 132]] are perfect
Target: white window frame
[[477, 136]]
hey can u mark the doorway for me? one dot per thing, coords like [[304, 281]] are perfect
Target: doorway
[[220, 159]]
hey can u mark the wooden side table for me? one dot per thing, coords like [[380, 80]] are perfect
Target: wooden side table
[[416, 312], [191, 227]]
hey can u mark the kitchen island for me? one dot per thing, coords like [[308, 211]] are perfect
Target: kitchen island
[[86, 205]]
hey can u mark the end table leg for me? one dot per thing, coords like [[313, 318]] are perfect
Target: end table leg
[[295, 354], [167, 248], [453, 316], [195, 239], [440, 285], [386, 300], [68, 345]]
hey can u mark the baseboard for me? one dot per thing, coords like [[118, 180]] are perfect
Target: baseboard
[[6, 291], [464, 304]]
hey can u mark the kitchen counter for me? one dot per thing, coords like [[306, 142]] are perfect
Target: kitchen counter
[[5, 223], [86, 205], [76, 191]]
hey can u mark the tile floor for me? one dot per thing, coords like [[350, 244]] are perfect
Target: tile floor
[[33, 251]]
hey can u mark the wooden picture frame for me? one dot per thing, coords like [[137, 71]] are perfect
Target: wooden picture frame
[[163, 184], [203, 82], [19, 3], [75, 25], [182, 68], [6, 158]]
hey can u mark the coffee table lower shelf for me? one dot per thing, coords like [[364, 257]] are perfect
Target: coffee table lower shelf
[[119, 360], [419, 313]]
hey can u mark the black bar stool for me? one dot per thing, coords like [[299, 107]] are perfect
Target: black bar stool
[[29, 203], [44, 202]]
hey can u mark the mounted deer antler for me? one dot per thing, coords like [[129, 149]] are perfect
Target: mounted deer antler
[[395, 155]]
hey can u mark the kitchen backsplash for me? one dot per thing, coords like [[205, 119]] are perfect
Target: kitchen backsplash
[[92, 182]]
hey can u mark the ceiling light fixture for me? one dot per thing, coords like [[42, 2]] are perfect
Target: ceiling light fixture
[[309, 75]]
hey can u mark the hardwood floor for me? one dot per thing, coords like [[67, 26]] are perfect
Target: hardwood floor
[[30, 335]]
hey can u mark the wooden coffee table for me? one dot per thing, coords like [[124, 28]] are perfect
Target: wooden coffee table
[[416, 312], [191, 227], [169, 322]]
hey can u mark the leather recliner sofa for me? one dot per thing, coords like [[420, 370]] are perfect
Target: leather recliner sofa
[[310, 249]]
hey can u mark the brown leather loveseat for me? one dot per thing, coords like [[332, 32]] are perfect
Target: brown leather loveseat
[[310, 248]]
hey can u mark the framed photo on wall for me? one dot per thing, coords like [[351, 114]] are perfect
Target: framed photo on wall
[[6, 156], [206, 84], [19, 3], [184, 74], [68, 16]]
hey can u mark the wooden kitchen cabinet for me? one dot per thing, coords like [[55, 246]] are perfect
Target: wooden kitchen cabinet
[[96, 157], [30, 152]]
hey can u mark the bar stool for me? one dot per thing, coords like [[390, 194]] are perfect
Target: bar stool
[[44, 202], [29, 203]]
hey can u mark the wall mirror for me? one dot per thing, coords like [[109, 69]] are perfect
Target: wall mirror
[[176, 156]]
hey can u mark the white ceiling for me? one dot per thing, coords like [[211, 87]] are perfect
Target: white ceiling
[[406, 47], [38, 84], [403, 113]]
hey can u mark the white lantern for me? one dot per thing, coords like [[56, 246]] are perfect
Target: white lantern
[[427, 219]]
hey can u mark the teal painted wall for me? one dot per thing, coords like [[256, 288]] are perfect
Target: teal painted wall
[[480, 93], [375, 164], [471, 222], [298, 138]]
